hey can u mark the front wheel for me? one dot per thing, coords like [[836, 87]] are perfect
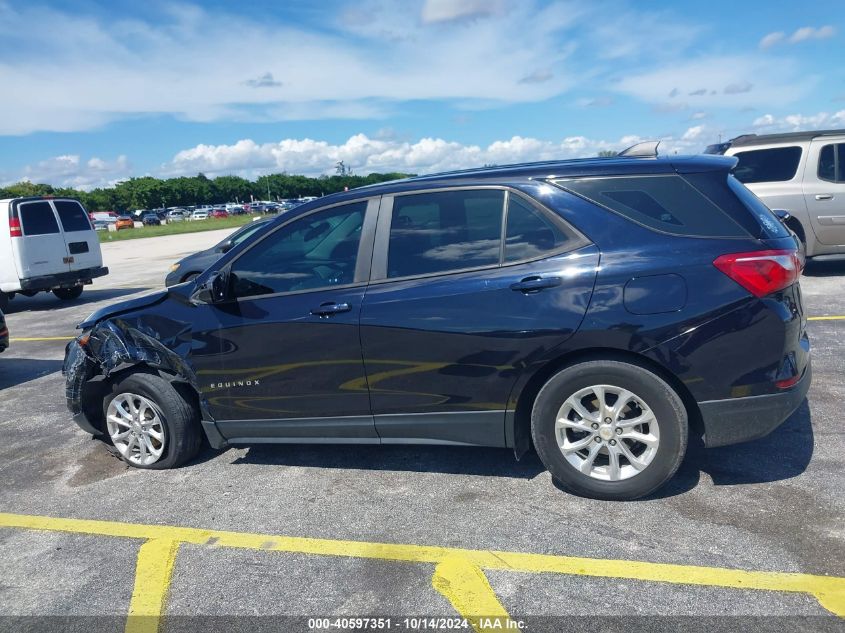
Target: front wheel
[[68, 294], [609, 430], [150, 424]]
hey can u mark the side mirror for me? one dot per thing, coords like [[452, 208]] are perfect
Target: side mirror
[[226, 246], [782, 214], [213, 290]]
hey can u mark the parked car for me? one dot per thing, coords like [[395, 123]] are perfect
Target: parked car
[[190, 267], [219, 213], [600, 309], [177, 215], [4, 333], [199, 214], [124, 222], [236, 210], [105, 216], [150, 219], [802, 173], [102, 225], [46, 244]]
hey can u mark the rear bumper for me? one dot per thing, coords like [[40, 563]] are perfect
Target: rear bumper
[[738, 420], [59, 280]]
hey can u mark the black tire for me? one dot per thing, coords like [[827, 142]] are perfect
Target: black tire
[[183, 435], [190, 277], [68, 294], [668, 409], [4, 302]]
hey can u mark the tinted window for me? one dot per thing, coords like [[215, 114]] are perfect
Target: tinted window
[[250, 230], [448, 230], [72, 215], [316, 251], [530, 231], [767, 165], [37, 218], [665, 203], [832, 163]]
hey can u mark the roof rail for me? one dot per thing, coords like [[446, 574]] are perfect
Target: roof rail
[[641, 150]]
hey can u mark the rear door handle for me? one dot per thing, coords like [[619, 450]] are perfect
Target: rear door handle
[[824, 196], [327, 309], [535, 284]]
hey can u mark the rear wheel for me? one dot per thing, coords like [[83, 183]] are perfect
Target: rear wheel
[[150, 424], [609, 430], [68, 294]]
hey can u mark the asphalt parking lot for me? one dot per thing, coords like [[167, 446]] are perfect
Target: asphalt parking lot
[[749, 536]]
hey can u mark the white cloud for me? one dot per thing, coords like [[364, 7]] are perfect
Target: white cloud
[[693, 133], [452, 10], [800, 35], [797, 122], [810, 33], [70, 170], [190, 63], [771, 39], [709, 82]]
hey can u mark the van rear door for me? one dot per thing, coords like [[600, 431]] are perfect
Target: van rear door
[[40, 249], [83, 245]]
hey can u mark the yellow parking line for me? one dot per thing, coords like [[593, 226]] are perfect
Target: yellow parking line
[[41, 338], [828, 590], [467, 588], [826, 318], [153, 574]]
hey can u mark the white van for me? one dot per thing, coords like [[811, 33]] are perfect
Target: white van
[[46, 244]]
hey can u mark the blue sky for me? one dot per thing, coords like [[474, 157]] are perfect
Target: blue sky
[[95, 92]]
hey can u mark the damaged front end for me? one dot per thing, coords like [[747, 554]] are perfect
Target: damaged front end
[[116, 346]]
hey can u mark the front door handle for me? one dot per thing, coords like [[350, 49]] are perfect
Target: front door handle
[[535, 284], [327, 309], [824, 196]]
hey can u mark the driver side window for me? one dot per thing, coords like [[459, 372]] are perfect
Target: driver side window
[[316, 251]]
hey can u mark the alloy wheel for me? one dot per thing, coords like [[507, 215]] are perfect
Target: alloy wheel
[[136, 428]]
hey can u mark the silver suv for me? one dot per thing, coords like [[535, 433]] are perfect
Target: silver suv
[[802, 173]]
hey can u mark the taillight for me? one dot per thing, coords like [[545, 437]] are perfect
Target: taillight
[[15, 227], [761, 272]]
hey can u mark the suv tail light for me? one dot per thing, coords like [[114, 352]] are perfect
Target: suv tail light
[[762, 272], [15, 227]]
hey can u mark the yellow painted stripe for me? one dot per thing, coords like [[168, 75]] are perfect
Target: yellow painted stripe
[[826, 318], [829, 590], [153, 574], [42, 338], [467, 588]]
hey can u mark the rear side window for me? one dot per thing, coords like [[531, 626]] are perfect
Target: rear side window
[[832, 163], [531, 233], [767, 165], [738, 201], [37, 218], [444, 231], [666, 203], [72, 215]]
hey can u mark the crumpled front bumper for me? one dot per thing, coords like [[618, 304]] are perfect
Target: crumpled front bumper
[[77, 369]]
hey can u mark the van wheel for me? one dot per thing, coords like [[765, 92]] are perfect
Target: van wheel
[[4, 302], [150, 424], [68, 294], [609, 430]]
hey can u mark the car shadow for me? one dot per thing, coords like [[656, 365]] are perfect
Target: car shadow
[[783, 454], [46, 301], [829, 268], [16, 371], [453, 460]]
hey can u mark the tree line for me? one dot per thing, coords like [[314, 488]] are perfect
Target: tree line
[[152, 193]]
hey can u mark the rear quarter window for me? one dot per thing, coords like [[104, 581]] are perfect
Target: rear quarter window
[[666, 203], [37, 218], [72, 215], [776, 164]]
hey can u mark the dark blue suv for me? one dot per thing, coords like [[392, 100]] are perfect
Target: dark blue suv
[[600, 310]]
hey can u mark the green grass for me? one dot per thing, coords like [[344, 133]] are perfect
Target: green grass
[[175, 228]]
